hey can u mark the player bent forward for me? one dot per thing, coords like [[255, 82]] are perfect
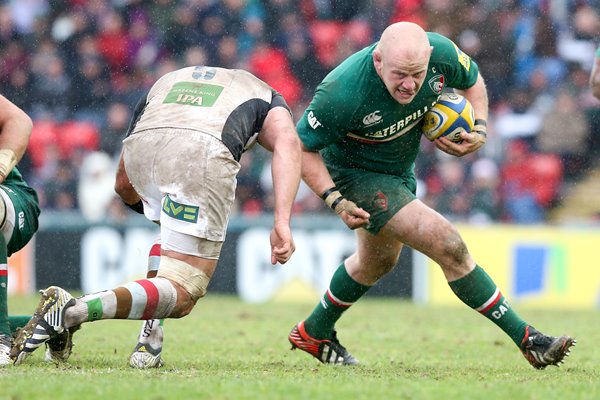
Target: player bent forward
[[361, 136], [180, 159]]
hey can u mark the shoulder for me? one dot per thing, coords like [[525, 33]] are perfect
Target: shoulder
[[444, 49], [350, 81], [451, 60]]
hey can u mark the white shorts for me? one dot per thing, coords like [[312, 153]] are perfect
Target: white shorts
[[186, 180]]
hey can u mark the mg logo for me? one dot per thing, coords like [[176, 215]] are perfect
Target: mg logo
[[371, 119]]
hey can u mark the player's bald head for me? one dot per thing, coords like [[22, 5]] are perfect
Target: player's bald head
[[401, 59], [404, 41]]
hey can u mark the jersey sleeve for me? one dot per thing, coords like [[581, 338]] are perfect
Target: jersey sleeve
[[327, 118], [458, 68], [279, 101]]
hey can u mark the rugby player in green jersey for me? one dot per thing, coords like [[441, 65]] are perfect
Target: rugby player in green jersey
[[361, 135], [19, 212]]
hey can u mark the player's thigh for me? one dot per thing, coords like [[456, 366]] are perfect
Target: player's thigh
[[425, 230]]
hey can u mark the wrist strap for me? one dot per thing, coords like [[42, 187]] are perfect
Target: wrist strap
[[328, 192], [481, 122]]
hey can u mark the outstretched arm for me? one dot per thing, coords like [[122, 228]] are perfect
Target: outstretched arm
[[278, 135], [15, 130]]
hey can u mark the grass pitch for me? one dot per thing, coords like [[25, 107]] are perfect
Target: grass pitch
[[227, 349]]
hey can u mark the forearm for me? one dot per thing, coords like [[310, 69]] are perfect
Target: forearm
[[123, 187], [14, 137], [285, 170], [477, 95], [315, 173]]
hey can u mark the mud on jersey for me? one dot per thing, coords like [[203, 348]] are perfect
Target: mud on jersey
[[228, 104], [356, 123]]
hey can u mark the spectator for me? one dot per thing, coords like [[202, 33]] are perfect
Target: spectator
[[485, 203], [95, 190], [60, 190], [113, 132], [566, 132], [518, 181]]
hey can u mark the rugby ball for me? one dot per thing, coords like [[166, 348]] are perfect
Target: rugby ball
[[451, 115]]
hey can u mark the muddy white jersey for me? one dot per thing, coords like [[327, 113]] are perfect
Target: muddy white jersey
[[229, 104]]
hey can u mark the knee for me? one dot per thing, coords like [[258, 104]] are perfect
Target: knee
[[185, 302], [380, 265], [190, 283], [454, 248]]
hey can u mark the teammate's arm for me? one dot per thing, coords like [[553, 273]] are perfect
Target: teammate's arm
[[15, 130], [278, 135]]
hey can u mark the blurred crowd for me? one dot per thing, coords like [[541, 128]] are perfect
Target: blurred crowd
[[78, 67]]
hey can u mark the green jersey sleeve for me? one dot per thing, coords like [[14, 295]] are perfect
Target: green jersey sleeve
[[459, 70], [325, 121]]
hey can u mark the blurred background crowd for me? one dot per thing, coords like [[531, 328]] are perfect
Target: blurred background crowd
[[78, 67]]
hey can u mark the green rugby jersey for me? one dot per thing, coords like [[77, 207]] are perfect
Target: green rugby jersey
[[355, 123], [27, 210]]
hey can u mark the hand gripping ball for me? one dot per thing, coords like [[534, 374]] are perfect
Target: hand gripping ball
[[451, 115]]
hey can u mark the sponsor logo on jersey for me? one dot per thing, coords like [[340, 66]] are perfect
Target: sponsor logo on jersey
[[372, 118], [312, 120], [436, 83], [463, 59], [21, 220], [193, 94], [179, 211], [391, 132]]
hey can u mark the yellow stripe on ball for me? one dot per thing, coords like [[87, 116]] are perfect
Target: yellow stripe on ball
[[452, 114]]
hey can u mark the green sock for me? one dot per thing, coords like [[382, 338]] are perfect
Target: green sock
[[342, 293], [17, 321], [4, 325], [478, 291]]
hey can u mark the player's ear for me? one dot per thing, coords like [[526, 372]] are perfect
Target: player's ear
[[377, 59]]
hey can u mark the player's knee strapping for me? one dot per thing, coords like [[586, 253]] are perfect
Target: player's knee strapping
[[191, 279]]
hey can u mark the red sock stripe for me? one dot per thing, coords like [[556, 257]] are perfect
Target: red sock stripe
[[491, 304], [152, 298], [3, 269], [155, 250], [337, 302]]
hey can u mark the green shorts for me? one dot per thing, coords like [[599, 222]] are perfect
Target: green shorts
[[27, 211], [379, 194]]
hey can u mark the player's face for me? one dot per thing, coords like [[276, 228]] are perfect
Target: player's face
[[403, 76]]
